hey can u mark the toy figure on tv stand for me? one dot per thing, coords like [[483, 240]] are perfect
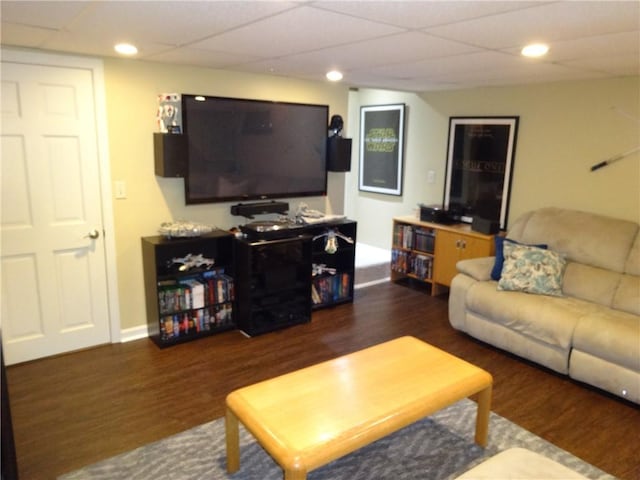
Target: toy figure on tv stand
[[331, 244]]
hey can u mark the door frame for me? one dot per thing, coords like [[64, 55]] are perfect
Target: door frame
[[95, 66]]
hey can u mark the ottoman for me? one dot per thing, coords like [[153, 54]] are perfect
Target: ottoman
[[521, 464]]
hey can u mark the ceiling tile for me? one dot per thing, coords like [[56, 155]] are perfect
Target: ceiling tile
[[421, 14], [205, 58], [40, 13], [290, 32], [173, 22], [548, 22]]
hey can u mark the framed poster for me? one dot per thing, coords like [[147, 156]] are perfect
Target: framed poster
[[480, 157], [381, 149]]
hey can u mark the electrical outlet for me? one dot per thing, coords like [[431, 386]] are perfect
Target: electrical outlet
[[121, 189]]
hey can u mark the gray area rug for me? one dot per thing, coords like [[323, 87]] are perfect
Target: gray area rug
[[438, 447]]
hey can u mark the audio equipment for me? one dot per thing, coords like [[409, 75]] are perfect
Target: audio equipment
[[338, 154]]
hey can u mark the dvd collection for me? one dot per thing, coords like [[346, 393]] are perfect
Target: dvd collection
[[188, 306], [330, 288], [416, 238], [412, 263]]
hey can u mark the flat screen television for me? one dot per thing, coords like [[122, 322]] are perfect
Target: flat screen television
[[241, 149]]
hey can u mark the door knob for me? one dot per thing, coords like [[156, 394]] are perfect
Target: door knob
[[93, 234]]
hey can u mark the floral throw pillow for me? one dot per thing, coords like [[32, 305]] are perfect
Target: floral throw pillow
[[532, 270]]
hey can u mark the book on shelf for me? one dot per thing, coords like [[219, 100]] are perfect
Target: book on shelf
[[412, 263], [195, 292], [331, 288], [193, 322]]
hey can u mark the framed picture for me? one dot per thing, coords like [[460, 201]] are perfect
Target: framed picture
[[480, 157], [381, 149]]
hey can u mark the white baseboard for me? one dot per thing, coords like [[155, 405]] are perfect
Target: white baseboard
[[133, 333], [374, 282]]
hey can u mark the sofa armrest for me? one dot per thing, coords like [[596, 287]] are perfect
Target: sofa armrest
[[477, 268]]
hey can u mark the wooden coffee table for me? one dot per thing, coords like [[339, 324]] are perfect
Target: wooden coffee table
[[310, 417]]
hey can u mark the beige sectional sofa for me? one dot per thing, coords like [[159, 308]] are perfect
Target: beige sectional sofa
[[591, 329]]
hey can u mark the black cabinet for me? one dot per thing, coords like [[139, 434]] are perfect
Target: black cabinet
[[333, 257], [273, 282], [189, 301]]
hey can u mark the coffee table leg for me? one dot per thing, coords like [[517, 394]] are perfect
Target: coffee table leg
[[295, 475], [482, 418], [232, 436]]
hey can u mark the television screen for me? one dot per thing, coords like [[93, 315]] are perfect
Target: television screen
[[250, 149]]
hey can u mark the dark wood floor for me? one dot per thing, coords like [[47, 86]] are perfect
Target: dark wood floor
[[79, 408]]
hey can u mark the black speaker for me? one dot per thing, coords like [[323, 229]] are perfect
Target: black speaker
[[483, 225], [259, 208], [338, 154], [170, 154]]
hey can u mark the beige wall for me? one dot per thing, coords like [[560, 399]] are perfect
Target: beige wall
[[131, 89], [564, 129]]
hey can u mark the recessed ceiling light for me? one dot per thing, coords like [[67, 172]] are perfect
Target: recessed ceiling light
[[334, 76], [126, 49], [535, 50]]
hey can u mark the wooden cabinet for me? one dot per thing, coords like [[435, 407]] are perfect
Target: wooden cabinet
[[452, 246], [428, 252]]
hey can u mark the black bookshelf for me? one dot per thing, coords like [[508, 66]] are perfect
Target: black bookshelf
[[188, 303]]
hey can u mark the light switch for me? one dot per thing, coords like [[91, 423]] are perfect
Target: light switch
[[431, 176], [121, 189]]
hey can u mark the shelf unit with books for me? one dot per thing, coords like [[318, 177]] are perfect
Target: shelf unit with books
[[188, 302], [428, 252], [333, 257]]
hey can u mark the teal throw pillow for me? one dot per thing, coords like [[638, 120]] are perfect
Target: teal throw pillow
[[532, 270], [497, 266]]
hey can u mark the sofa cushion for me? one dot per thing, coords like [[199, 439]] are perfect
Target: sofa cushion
[[632, 267], [590, 283], [611, 335], [477, 268], [552, 320], [584, 237], [532, 270], [627, 296], [496, 272]]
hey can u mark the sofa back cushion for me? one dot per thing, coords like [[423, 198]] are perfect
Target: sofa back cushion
[[627, 296], [583, 237], [590, 283]]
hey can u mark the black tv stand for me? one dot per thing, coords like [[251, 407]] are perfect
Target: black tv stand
[[248, 210], [281, 278]]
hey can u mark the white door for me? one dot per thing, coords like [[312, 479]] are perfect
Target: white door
[[54, 281]]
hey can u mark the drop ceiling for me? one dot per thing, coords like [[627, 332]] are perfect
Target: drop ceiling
[[400, 45]]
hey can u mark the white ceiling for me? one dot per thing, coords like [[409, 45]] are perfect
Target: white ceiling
[[401, 45]]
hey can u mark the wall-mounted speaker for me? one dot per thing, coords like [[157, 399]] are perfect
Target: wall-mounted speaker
[[338, 154], [170, 154]]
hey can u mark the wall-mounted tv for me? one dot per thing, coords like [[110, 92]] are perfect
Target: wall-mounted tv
[[241, 149]]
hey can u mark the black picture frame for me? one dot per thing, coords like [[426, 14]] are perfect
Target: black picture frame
[[480, 156], [381, 149]]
